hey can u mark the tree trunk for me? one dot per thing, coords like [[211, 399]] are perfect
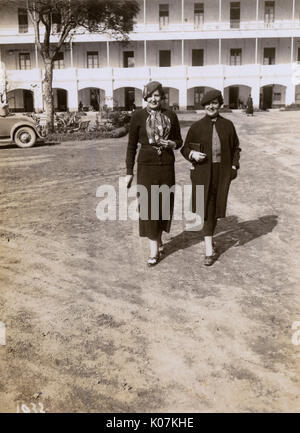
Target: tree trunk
[[48, 95]]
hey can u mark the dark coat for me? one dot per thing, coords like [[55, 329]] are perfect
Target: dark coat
[[201, 132], [148, 154]]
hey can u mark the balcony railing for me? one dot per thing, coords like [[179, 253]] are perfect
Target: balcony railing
[[217, 25], [142, 74]]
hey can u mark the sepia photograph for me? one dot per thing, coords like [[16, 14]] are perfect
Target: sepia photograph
[[149, 199]]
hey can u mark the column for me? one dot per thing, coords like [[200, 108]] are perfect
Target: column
[[256, 51], [255, 90], [182, 51], [182, 11], [145, 16], [36, 56], [292, 49], [293, 15], [183, 96], [73, 96], [257, 7], [38, 97], [290, 94], [109, 94], [220, 52], [145, 53], [107, 53], [220, 11], [71, 53]]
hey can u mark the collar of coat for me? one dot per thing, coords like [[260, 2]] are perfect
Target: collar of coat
[[212, 119]]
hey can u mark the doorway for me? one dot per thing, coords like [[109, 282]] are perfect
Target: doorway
[[128, 59], [129, 98], [164, 58], [233, 97], [267, 97], [61, 104], [28, 101]]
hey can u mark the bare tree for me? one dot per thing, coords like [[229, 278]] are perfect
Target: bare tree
[[69, 17]]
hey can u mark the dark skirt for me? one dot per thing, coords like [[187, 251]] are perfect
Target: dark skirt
[[156, 216]]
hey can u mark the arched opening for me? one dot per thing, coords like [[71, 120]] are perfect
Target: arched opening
[[60, 98], [272, 96], [20, 101], [236, 96], [127, 98], [194, 96], [91, 99], [171, 97]]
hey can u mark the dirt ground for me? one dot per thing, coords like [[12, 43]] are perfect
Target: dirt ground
[[90, 328]]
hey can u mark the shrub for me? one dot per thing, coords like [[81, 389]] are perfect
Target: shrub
[[119, 118]]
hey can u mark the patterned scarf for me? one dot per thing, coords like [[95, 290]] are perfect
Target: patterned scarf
[[158, 127]]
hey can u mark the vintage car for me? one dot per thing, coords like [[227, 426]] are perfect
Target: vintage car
[[20, 129]]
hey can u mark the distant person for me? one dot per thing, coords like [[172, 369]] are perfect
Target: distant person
[[80, 106], [249, 106], [157, 130], [213, 146]]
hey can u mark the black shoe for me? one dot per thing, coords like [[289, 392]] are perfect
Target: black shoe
[[209, 260], [152, 261]]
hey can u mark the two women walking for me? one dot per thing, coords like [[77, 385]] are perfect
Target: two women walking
[[211, 145]]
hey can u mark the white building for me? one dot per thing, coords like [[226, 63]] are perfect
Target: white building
[[250, 46]]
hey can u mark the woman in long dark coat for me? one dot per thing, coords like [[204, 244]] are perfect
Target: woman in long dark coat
[[158, 131], [249, 106], [213, 146]]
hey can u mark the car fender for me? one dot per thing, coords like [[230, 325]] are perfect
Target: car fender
[[22, 123]]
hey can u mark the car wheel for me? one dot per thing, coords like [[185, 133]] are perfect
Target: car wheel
[[25, 137]]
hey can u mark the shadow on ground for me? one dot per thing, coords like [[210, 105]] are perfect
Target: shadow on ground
[[229, 233]]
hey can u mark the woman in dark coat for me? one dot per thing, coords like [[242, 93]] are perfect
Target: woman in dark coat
[[249, 106], [158, 131], [213, 147]]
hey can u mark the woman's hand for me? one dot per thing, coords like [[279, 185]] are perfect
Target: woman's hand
[[129, 179], [233, 172], [197, 156], [168, 144]]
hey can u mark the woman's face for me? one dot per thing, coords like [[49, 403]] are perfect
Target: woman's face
[[154, 100], [212, 108]]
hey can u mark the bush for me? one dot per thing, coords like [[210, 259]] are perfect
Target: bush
[[90, 135], [119, 118], [291, 107]]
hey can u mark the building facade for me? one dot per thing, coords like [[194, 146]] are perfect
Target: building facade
[[241, 48]]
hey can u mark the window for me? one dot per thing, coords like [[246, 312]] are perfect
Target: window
[[24, 61], [198, 15], [23, 20], [128, 59], [269, 13], [277, 97], [58, 62], [164, 58], [197, 57], [56, 22], [235, 15], [236, 56], [163, 16], [92, 59], [198, 95], [269, 56]]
